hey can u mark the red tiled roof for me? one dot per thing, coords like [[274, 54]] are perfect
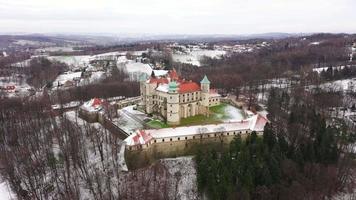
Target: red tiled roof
[[186, 87], [159, 80], [136, 139], [96, 102], [173, 75], [141, 137], [260, 122], [146, 136]]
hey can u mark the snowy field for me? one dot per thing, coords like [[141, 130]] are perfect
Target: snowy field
[[72, 61], [54, 49], [5, 193], [193, 57], [33, 43], [136, 69]]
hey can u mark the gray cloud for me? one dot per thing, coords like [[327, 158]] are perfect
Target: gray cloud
[[178, 16]]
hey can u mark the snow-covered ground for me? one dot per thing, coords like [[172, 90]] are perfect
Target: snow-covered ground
[[320, 69], [339, 85], [67, 76], [71, 104], [93, 157], [72, 61], [193, 57], [24, 63], [54, 49], [129, 119], [183, 169], [5, 192], [21, 88], [32, 43], [233, 114], [173, 178], [136, 69]]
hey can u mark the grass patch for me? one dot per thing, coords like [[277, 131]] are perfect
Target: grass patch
[[217, 115], [157, 124], [219, 111], [198, 119]]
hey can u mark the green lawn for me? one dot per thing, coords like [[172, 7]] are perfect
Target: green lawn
[[217, 114], [198, 119], [157, 124]]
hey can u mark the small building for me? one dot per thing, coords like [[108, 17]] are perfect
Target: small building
[[95, 109]]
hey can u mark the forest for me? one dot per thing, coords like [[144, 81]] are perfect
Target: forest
[[303, 154]]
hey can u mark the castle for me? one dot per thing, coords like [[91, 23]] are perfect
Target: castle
[[173, 98]]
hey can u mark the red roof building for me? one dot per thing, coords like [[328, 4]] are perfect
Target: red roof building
[[186, 87]]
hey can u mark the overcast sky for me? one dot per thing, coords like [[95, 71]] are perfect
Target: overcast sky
[[177, 16]]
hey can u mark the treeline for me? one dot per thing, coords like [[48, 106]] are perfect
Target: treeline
[[336, 73], [102, 90], [42, 71], [112, 86], [299, 156], [280, 59]]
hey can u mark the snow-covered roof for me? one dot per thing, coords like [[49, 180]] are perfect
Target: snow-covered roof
[[254, 123], [138, 138], [160, 72], [93, 105], [162, 88]]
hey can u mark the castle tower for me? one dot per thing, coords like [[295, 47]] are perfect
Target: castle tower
[[173, 104], [205, 91], [143, 79]]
